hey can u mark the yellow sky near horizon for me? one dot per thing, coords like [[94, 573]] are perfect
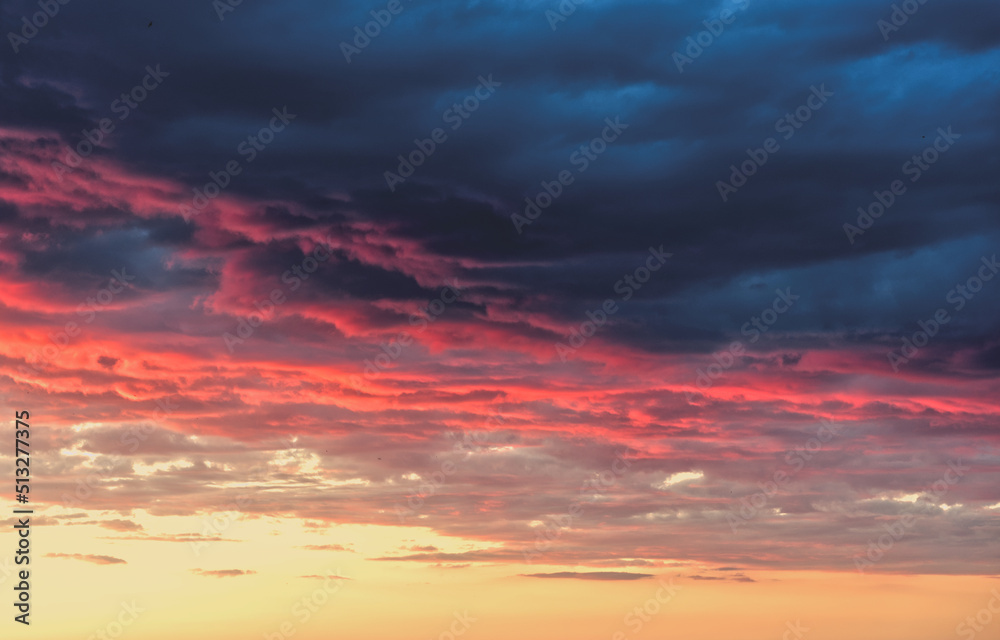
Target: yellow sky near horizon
[[74, 598]]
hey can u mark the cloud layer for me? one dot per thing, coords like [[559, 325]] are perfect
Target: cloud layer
[[558, 335]]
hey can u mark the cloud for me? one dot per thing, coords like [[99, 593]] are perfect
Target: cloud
[[96, 559], [176, 537], [222, 573], [680, 478], [114, 525], [736, 577], [36, 521], [148, 408], [328, 547], [593, 575], [474, 556]]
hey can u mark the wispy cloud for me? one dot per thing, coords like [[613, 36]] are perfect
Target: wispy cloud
[[222, 573], [96, 559], [592, 575]]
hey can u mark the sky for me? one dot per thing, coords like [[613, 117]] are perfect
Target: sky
[[548, 319]]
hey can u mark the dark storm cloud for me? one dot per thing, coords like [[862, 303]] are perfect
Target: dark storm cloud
[[86, 261], [883, 101], [655, 184]]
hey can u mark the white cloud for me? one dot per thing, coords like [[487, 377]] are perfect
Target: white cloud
[[677, 478]]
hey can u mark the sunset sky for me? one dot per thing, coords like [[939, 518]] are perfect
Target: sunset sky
[[491, 319]]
